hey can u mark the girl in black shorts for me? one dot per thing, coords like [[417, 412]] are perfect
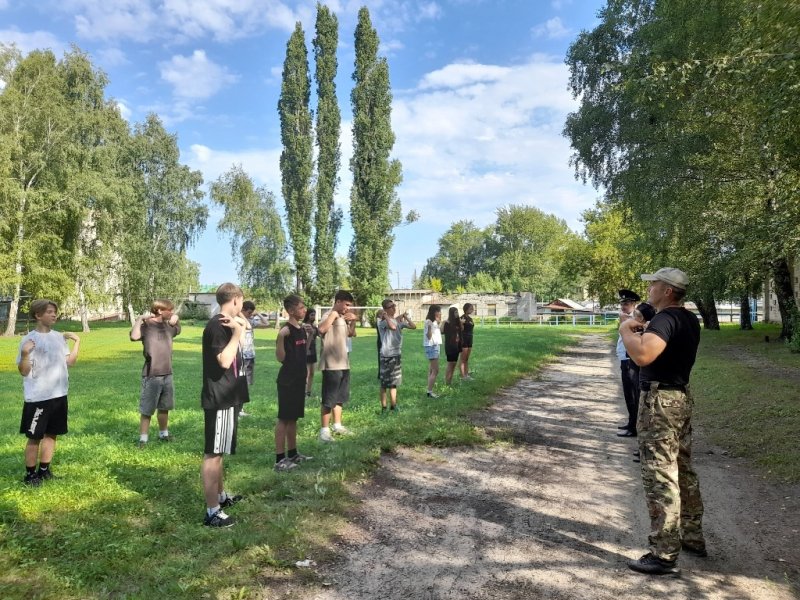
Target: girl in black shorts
[[452, 342], [466, 338]]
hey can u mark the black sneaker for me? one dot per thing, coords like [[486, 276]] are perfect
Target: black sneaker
[[32, 479], [652, 565], [166, 438], [231, 500], [695, 550], [218, 519], [45, 475]]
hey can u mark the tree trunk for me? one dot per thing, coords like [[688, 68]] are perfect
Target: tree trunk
[[745, 318], [131, 315], [782, 285], [708, 310], [14, 308], [83, 309]]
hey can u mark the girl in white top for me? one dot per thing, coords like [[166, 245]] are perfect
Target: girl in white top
[[431, 340]]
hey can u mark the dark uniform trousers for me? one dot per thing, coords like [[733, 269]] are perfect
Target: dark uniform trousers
[[630, 388]]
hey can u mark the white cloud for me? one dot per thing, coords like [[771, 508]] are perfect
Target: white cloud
[[195, 76], [26, 42], [124, 110], [460, 74], [112, 57], [551, 29], [429, 11], [390, 47], [104, 20], [262, 164], [3, 4], [475, 137], [181, 20]]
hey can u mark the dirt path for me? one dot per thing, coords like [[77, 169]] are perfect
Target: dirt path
[[553, 511]]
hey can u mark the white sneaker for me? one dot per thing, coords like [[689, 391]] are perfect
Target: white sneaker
[[243, 414], [342, 430], [325, 436]]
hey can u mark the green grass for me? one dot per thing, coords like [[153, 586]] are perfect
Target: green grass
[[747, 396], [125, 523]]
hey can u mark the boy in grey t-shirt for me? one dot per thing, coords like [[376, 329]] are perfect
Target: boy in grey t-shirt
[[156, 332], [390, 330]]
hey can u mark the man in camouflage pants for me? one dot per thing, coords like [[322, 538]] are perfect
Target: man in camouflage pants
[[666, 352]]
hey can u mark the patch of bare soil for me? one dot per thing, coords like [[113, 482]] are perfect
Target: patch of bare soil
[[552, 511]]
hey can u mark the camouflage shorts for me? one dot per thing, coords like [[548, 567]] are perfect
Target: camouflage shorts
[[391, 373]]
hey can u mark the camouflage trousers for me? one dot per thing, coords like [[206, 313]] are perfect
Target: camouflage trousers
[[670, 484]]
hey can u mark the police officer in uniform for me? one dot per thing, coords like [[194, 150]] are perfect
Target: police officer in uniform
[[627, 303], [665, 353]]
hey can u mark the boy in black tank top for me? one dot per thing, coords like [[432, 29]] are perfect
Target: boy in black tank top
[[291, 350]]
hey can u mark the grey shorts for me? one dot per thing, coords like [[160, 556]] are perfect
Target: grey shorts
[[249, 365], [335, 388], [391, 374], [158, 393]]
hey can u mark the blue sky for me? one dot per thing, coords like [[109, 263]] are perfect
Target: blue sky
[[480, 96]]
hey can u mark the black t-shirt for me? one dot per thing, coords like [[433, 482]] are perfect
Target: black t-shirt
[[452, 337], [680, 329], [293, 367], [222, 388]]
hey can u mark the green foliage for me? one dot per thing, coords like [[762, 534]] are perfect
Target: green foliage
[[193, 311], [462, 254], [163, 217], [296, 159], [374, 207], [114, 507], [64, 190], [327, 219], [484, 282], [258, 243], [686, 120]]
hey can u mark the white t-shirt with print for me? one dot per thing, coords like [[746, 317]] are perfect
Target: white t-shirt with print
[[48, 377]]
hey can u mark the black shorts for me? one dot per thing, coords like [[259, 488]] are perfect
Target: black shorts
[[452, 354], [220, 430], [335, 388], [466, 340], [46, 417], [292, 400], [311, 358]]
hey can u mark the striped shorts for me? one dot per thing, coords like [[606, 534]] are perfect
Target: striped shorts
[[220, 426]]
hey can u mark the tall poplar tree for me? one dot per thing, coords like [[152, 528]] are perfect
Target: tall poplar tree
[[374, 206], [296, 159], [328, 220]]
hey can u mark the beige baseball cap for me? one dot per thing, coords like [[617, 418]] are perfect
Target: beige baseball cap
[[670, 276]]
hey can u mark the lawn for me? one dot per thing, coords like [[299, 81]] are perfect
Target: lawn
[[126, 523], [747, 393]]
